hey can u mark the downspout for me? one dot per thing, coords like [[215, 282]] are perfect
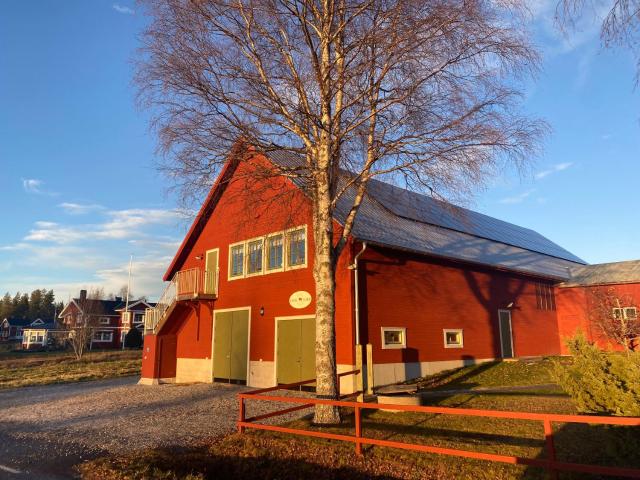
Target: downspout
[[354, 267]]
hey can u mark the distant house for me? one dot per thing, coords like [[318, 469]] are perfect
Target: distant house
[[11, 329], [132, 315], [39, 336], [110, 319]]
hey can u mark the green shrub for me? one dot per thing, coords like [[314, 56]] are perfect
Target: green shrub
[[600, 382], [133, 338]]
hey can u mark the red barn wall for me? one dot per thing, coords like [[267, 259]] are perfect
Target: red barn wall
[[426, 295]]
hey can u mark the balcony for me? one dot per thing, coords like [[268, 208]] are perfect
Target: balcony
[[187, 285]]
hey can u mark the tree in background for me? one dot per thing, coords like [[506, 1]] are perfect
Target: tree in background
[[39, 304], [133, 338], [620, 22], [615, 316], [81, 333], [426, 94]]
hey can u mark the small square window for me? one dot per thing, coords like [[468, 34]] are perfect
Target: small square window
[[453, 338], [630, 313], [394, 337], [104, 320]]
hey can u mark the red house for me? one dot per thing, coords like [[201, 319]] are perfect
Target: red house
[[109, 319], [430, 286]]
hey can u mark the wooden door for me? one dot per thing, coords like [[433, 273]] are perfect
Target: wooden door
[[295, 351], [210, 278], [506, 334], [230, 345]]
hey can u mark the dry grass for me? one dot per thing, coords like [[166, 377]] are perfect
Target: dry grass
[[20, 369]]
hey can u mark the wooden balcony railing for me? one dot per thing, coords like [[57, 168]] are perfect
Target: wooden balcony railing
[[190, 284]]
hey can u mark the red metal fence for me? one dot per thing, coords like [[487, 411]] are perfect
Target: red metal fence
[[550, 463]]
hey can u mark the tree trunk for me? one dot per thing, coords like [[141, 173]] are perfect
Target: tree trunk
[[324, 276]]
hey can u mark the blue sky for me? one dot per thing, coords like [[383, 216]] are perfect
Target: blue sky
[[81, 193]]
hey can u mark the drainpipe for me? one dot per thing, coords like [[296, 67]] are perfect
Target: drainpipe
[[354, 267]]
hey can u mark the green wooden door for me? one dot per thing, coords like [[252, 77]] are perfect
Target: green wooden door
[[239, 345], [230, 336], [295, 350], [211, 272]]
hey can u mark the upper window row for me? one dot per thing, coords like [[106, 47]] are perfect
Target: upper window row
[[275, 252]]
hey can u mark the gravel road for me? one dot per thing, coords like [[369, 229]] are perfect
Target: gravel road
[[46, 430]]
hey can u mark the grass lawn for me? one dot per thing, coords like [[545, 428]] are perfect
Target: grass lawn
[[258, 454], [20, 369]]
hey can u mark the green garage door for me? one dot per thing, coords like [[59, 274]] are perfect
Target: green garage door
[[295, 354], [230, 343]]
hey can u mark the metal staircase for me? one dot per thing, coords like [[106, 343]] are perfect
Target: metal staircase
[[191, 284]]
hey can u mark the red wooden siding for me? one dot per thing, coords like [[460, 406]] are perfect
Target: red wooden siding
[[427, 295]]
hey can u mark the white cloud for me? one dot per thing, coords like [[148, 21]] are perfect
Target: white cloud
[[558, 167], [119, 225], [124, 10], [79, 209], [517, 198], [36, 186]]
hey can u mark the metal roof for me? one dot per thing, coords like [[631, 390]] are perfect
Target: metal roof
[[399, 218], [604, 274]]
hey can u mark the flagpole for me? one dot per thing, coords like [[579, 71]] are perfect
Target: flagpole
[[126, 305]]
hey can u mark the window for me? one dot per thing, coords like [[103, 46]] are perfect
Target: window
[[545, 299], [296, 247], [236, 260], [102, 336], [40, 338], [104, 320], [453, 338], [626, 313], [274, 252], [79, 319], [394, 337], [138, 318], [254, 257], [32, 338]]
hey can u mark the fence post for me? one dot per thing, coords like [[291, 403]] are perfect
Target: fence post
[[241, 413], [551, 449], [369, 369], [358, 430], [359, 375]]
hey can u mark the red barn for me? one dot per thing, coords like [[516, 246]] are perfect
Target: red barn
[[430, 286]]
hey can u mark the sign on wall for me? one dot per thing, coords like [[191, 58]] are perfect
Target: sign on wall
[[300, 299]]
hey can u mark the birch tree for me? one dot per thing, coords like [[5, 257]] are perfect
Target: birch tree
[[426, 94]]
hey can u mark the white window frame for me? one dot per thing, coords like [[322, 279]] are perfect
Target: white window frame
[[266, 252], [103, 322], [393, 346], [246, 257], [242, 244], [453, 330], [623, 312], [286, 248], [102, 333], [137, 322]]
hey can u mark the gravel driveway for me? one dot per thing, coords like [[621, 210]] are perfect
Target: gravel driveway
[[46, 430]]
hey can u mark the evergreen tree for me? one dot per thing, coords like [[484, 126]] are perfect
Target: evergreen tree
[[6, 307]]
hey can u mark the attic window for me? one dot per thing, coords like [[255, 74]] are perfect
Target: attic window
[[296, 247], [545, 299], [254, 257], [236, 260]]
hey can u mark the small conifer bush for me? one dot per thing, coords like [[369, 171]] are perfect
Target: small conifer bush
[[133, 339], [600, 382]]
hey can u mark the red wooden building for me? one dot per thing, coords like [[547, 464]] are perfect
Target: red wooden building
[[430, 286]]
